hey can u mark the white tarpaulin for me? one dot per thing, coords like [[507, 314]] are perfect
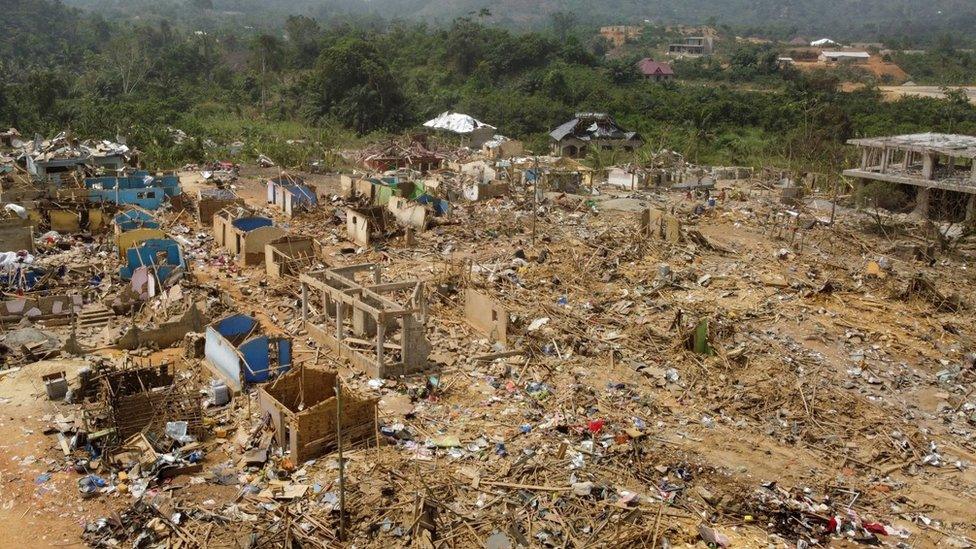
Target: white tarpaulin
[[456, 122]]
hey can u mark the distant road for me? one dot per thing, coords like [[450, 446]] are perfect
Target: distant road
[[894, 92]]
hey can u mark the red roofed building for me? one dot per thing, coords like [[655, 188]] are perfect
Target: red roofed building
[[655, 70]]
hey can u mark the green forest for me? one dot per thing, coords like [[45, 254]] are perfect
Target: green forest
[[303, 88]]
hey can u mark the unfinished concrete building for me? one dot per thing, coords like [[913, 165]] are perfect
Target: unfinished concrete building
[[938, 167], [379, 326], [302, 407]]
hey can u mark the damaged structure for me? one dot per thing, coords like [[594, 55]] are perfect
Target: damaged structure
[[211, 201], [238, 353], [935, 166], [289, 255], [302, 405], [587, 131], [243, 234], [353, 304], [291, 195], [142, 399]]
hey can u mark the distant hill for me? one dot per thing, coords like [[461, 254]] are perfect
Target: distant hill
[[846, 19]]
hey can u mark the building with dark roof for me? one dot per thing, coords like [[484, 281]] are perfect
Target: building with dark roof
[[588, 131], [655, 70]]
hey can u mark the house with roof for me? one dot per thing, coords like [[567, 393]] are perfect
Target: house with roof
[[589, 131], [291, 195], [655, 70], [474, 133]]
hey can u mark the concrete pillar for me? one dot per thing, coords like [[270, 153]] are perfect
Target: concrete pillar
[[928, 165], [380, 340], [974, 171], [971, 209], [340, 312], [885, 157], [864, 158], [304, 302], [922, 202], [377, 274]]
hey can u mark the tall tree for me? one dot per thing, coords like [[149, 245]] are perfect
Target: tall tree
[[266, 54], [354, 84]]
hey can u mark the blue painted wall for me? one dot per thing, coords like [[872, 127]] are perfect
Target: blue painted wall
[[135, 219], [140, 188], [145, 254], [256, 366]]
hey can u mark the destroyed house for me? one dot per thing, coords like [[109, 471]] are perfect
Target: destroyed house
[[244, 235], [289, 255], [302, 405], [50, 307], [50, 159], [16, 234], [291, 195], [161, 256], [930, 165], [366, 225], [139, 189], [8, 137], [211, 201], [133, 227], [54, 167], [394, 156], [142, 400], [588, 131], [134, 218], [239, 353], [378, 326]]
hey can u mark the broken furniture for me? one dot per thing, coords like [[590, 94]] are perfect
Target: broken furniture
[[239, 354], [302, 406], [359, 316]]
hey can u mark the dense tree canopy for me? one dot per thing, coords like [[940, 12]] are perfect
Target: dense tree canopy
[[322, 83]]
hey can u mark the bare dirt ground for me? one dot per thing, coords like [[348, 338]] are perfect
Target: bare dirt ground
[[895, 92]]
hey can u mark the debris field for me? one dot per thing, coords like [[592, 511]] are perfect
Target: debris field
[[461, 352]]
